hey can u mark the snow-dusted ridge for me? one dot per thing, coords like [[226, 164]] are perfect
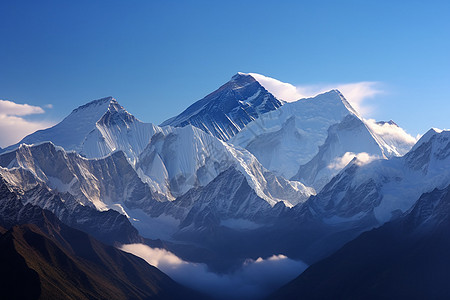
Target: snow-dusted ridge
[[106, 183], [187, 157], [382, 189]]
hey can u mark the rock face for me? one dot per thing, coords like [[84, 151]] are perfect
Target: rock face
[[105, 183], [108, 226], [224, 112], [227, 198]]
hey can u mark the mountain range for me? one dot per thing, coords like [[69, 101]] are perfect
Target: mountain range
[[403, 259], [240, 174], [55, 261]]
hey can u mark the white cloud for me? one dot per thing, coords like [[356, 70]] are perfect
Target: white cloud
[[13, 125], [361, 159], [255, 278], [398, 140], [356, 93], [14, 109], [281, 90], [390, 130]]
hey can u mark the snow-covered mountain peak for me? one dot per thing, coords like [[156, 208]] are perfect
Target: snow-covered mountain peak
[[390, 122], [242, 77], [102, 111], [387, 187], [336, 95], [97, 129], [311, 139], [224, 112], [99, 104], [290, 136], [430, 151], [428, 136]]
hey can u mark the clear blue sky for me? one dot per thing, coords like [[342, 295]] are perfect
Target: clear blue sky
[[157, 57]]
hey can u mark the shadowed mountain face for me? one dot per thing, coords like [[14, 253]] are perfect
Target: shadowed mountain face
[[55, 261], [108, 226], [224, 112], [404, 259]]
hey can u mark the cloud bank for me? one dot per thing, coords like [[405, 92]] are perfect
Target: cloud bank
[[14, 126], [255, 279], [356, 93]]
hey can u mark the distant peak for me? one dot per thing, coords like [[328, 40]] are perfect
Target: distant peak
[[40, 145], [431, 132], [99, 102], [427, 137], [390, 122], [336, 91], [436, 130], [242, 76]]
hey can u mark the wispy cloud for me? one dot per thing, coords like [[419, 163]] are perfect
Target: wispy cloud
[[13, 124], [357, 93], [397, 139], [390, 132], [362, 158], [11, 108], [255, 278]]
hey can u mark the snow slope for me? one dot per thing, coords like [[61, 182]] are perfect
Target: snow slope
[[112, 183], [107, 183], [97, 129], [187, 157], [308, 139], [288, 137], [382, 189]]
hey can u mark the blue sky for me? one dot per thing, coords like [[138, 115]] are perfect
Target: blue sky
[[158, 57]]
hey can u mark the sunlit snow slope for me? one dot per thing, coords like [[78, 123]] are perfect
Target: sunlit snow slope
[[97, 129], [311, 139]]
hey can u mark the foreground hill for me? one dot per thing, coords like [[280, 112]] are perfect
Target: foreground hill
[[404, 259], [54, 261]]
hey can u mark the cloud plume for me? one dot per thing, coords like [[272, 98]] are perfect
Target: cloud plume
[[361, 159], [255, 279], [356, 93], [13, 124], [395, 136]]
